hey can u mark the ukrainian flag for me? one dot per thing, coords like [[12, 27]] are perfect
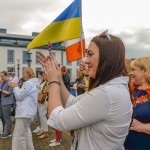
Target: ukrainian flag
[[65, 27]]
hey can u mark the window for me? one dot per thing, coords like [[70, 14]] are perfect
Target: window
[[68, 63], [25, 57], [36, 57], [38, 69], [10, 69], [78, 62], [53, 53], [10, 56]]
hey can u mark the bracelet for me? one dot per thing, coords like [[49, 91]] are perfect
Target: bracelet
[[54, 82]]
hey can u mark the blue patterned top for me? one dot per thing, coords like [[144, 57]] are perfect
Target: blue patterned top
[[141, 112]]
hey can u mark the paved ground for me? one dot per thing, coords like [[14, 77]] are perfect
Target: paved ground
[[5, 144]]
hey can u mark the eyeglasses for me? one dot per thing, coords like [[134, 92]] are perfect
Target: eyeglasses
[[105, 33]]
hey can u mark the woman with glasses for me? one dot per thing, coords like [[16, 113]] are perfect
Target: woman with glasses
[[100, 117]]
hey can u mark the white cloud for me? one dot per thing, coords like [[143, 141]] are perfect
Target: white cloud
[[126, 18]]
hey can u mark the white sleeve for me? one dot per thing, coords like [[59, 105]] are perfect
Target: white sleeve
[[20, 94], [72, 100], [93, 107]]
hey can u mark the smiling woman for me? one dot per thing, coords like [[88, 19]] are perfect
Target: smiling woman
[[100, 118], [139, 134], [103, 51]]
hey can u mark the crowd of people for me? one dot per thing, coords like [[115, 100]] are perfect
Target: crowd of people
[[107, 107]]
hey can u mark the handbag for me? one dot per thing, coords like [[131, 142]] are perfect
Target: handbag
[[42, 96]]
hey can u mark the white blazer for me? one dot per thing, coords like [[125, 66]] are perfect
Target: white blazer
[[26, 99]]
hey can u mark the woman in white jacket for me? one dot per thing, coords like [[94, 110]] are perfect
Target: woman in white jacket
[[26, 99]]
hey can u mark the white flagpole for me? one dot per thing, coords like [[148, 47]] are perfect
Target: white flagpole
[[81, 28]]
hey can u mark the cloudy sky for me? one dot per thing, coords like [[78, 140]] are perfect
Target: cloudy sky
[[129, 19]]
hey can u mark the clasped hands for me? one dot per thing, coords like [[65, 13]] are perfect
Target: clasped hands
[[12, 84], [51, 69]]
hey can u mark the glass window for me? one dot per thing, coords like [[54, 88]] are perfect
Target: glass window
[[23, 42], [10, 56], [10, 69], [10, 41], [78, 62], [53, 53], [68, 63], [25, 57], [38, 69]]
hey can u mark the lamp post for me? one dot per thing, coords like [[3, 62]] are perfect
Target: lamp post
[[29, 58], [14, 68], [18, 66], [62, 55]]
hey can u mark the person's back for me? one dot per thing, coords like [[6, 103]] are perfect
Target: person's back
[[110, 132], [27, 104]]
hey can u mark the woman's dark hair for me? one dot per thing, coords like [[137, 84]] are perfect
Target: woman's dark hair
[[111, 59], [42, 73], [39, 72]]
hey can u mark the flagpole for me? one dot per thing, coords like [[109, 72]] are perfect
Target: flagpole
[[81, 28]]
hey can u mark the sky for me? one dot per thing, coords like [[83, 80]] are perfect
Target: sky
[[128, 19]]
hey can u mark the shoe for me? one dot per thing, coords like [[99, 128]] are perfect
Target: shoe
[[40, 133], [44, 135], [54, 144], [54, 140], [51, 141], [37, 130], [4, 136]]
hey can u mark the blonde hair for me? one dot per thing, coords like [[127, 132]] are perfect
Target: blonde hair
[[128, 65], [30, 72], [144, 64]]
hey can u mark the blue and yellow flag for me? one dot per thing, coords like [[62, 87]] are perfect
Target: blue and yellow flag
[[65, 27]]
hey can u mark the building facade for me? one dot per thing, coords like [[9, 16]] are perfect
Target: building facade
[[14, 56]]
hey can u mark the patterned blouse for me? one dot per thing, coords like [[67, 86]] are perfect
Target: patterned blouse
[[141, 112]]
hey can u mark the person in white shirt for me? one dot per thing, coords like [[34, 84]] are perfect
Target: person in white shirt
[[101, 116], [14, 78], [26, 98]]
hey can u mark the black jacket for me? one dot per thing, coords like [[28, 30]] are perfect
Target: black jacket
[[66, 80]]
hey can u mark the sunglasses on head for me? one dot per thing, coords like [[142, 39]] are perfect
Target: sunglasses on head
[[105, 33]]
